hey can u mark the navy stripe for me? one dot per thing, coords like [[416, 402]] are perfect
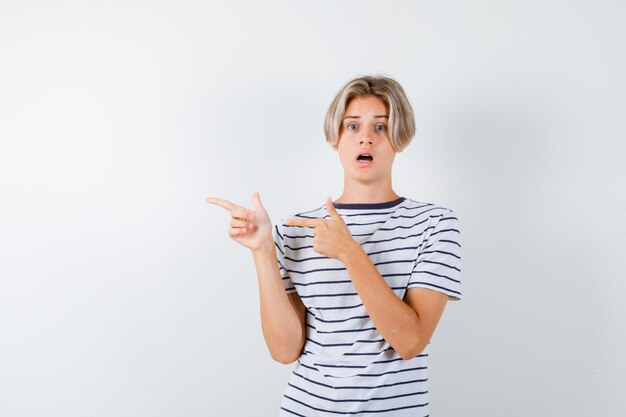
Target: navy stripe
[[366, 206], [339, 320], [437, 243], [419, 368], [433, 285], [278, 232], [402, 216], [366, 224], [348, 281], [361, 366], [347, 294], [346, 331], [396, 261], [440, 263], [450, 241], [441, 251], [343, 344], [278, 247], [368, 253], [448, 218], [358, 400], [397, 238], [382, 213], [367, 353], [308, 352], [444, 230], [437, 275], [317, 270], [306, 284], [367, 329], [340, 307], [368, 387], [355, 412], [314, 258], [387, 229], [292, 412], [422, 355], [394, 249], [340, 366]]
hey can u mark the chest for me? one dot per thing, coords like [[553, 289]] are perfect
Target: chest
[[325, 283]]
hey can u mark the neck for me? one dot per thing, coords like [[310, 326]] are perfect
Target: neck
[[361, 192]]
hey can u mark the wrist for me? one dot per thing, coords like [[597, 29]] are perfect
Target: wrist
[[266, 248], [351, 252]]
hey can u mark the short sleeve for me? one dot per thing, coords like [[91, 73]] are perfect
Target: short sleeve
[[438, 264], [279, 242]]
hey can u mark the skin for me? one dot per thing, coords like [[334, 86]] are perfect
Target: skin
[[363, 131], [407, 325]]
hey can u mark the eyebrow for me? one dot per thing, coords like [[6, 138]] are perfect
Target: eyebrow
[[358, 117]]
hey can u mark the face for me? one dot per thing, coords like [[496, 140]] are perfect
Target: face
[[364, 129]]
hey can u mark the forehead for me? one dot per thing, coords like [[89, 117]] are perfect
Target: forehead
[[365, 105]]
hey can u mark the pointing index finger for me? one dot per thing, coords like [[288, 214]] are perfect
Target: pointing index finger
[[220, 202], [297, 221]]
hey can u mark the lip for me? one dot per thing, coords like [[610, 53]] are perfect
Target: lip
[[365, 163]]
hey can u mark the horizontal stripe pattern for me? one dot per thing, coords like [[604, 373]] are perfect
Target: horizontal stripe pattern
[[438, 265], [346, 367]]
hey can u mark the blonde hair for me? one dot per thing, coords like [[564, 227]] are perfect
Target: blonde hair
[[389, 91]]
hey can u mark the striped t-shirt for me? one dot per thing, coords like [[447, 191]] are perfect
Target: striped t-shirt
[[346, 367]]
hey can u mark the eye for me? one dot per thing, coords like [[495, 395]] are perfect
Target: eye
[[381, 127], [352, 126]]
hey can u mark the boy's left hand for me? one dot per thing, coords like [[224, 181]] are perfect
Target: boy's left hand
[[332, 238]]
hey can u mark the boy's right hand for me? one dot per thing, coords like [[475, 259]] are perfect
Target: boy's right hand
[[251, 228]]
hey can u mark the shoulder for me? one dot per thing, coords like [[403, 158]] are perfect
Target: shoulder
[[431, 208]]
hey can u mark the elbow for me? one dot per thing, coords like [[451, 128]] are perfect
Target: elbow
[[285, 354], [411, 350], [407, 354], [284, 350], [284, 357]]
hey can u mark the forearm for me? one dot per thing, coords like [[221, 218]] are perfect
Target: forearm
[[283, 330], [396, 321]]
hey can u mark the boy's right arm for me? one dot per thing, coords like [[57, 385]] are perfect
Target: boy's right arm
[[282, 315]]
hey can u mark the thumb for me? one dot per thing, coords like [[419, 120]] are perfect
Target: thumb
[[256, 201], [331, 209]]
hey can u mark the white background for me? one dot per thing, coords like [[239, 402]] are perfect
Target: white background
[[120, 291]]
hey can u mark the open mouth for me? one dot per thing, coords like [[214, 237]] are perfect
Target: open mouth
[[364, 159]]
